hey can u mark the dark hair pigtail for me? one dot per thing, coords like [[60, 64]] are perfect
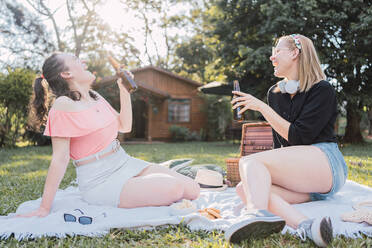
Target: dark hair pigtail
[[39, 106]]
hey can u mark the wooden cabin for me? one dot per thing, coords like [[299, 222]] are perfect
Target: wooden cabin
[[162, 100]]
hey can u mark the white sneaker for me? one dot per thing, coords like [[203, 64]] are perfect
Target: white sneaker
[[318, 230], [259, 224]]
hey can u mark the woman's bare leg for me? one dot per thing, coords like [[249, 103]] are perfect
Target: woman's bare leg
[[151, 190], [279, 202], [157, 186], [301, 169], [191, 187], [289, 196]]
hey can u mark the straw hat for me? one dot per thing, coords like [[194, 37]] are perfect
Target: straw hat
[[210, 180]]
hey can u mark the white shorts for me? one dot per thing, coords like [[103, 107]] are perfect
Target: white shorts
[[101, 182]]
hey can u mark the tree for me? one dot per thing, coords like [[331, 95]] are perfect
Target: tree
[[195, 59], [82, 22], [24, 39], [370, 122], [153, 15], [15, 93], [84, 32], [228, 46], [244, 31], [162, 25], [342, 31]]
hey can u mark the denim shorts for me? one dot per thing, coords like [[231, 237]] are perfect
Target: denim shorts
[[338, 167]]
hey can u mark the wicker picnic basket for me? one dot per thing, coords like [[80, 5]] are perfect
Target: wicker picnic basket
[[256, 137]]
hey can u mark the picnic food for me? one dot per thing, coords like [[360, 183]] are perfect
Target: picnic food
[[210, 213], [183, 204], [183, 207]]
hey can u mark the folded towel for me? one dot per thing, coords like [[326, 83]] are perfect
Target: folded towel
[[226, 201]]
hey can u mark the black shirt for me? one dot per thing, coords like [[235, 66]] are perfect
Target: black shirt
[[312, 114]]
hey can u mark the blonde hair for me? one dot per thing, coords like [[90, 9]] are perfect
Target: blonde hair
[[310, 71]]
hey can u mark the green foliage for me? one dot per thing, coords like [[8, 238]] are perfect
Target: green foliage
[[242, 45], [15, 93], [219, 116], [200, 67], [238, 36], [341, 31], [37, 138], [179, 133]]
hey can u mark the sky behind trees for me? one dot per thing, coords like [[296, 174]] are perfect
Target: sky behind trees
[[121, 18]]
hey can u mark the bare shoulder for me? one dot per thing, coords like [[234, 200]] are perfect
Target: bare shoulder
[[64, 103]]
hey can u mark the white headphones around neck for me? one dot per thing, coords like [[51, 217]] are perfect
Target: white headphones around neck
[[290, 86]]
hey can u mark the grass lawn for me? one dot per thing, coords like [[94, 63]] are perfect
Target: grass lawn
[[23, 171]]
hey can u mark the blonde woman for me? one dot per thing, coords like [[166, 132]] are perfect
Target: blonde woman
[[305, 164]]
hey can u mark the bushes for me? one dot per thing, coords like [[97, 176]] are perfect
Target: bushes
[[179, 133], [219, 115], [15, 93], [37, 138]]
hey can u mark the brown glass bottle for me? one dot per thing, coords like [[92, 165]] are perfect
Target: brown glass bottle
[[237, 116], [126, 79]]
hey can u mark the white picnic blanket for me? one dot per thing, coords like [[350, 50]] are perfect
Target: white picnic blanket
[[227, 201]]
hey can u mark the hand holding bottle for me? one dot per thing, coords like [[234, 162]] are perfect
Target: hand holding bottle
[[126, 76], [237, 115], [245, 101]]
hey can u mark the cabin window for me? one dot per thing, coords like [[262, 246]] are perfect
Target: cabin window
[[179, 110]]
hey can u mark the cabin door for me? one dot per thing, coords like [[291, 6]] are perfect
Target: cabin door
[[139, 119]]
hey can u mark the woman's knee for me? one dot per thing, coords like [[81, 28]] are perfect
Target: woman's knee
[[192, 190], [176, 189], [249, 165], [152, 190], [239, 189]]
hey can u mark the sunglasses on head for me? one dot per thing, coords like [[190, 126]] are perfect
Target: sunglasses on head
[[84, 220]]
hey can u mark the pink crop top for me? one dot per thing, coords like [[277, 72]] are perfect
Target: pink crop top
[[90, 130]]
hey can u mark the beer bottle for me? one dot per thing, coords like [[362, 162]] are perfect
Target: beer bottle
[[126, 79], [237, 116]]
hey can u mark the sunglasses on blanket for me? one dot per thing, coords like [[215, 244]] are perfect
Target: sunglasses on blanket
[[84, 220]]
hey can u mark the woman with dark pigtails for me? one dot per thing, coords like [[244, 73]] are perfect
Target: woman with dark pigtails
[[83, 127]]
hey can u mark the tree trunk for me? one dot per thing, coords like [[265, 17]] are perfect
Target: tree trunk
[[352, 131], [370, 120], [5, 128]]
